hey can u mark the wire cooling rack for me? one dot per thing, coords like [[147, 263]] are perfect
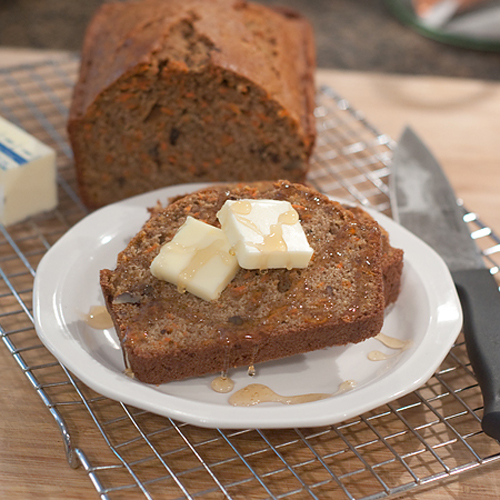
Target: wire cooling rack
[[428, 435]]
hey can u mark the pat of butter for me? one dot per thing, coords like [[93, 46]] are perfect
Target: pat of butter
[[265, 234], [197, 259], [27, 175]]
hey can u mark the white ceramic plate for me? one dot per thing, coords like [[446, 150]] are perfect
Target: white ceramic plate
[[67, 284]]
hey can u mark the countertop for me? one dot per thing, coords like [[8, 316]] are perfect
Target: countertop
[[457, 117]]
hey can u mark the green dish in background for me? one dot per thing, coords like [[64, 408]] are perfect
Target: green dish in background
[[455, 31]]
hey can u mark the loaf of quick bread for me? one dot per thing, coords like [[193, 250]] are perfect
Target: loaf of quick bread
[[262, 314], [191, 90]]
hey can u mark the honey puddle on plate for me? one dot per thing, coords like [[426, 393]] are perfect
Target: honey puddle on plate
[[392, 343], [255, 394], [98, 317], [222, 383]]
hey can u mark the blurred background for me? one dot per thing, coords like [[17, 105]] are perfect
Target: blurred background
[[350, 34]]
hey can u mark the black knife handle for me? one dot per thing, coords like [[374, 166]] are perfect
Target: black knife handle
[[480, 298]]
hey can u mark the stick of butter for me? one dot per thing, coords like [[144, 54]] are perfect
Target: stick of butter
[[197, 259], [27, 175], [265, 234]]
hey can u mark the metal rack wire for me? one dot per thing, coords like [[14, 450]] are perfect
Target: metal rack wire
[[428, 435]]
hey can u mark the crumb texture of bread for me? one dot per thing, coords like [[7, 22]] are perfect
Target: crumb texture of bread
[[392, 260], [191, 91], [262, 314]]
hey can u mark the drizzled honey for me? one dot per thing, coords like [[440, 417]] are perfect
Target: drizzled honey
[[391, 343], [98, 318], [222, 383], [254, 394], [197, 260], [256, 231]]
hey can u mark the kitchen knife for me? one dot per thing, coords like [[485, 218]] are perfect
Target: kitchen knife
[[424, 202]]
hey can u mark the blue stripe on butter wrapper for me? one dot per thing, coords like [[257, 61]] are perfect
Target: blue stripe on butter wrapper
[[11, 154]]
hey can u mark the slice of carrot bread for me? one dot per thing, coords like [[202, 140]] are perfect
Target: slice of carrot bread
[[188, 91], [392, 259], [261, 315]]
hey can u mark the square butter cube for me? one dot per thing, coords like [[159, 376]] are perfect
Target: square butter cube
[[197, 259], [265, 234], [27, 175]]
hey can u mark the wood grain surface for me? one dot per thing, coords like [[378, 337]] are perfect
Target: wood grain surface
[[459, 120]]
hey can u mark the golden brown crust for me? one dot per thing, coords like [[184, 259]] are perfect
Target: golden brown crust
[[261, 315]]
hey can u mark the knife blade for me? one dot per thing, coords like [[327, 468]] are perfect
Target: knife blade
[[424, 202]]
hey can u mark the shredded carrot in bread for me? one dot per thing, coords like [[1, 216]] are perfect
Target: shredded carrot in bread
[[151, 248]]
